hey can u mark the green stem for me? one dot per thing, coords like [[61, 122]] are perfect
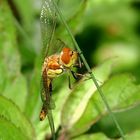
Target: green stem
[[89, 70]]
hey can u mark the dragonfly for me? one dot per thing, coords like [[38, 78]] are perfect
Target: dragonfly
[[55, 62]]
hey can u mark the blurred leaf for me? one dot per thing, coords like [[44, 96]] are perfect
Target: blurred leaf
[[97, 136], [100, 136], [34, 98], [107, 13], [23, 14], [127, 54], [121, 93], [126, 118], [77, 101], [103, 23], [24, 9], [9, 130], [26, 47], [13, 84], [16, 90], [133, 136], [14, 119]]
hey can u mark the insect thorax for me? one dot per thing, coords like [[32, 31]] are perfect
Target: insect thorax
[[52, 66]]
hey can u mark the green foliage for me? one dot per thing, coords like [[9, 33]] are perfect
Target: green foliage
[[108, 33], [13, 122], [12, 81]]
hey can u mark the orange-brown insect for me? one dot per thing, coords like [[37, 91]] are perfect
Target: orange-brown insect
[[54, 66]]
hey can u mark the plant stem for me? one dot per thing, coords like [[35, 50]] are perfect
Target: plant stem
[[89, 70]]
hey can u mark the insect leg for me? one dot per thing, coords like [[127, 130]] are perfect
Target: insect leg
[[69, 80], [76, 76]]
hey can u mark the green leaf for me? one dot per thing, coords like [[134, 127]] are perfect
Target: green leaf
[[126, 118], [97, 136], [126, 53], [34, 100], [9, 130], [78, 99], [14, 118], [12, 83], [133, 136], [107, 16], [121, 93], [100, 136], [16, 90], [25, 12]]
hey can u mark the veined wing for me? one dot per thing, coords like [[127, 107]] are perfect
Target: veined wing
[[48, 19], [48, 24]]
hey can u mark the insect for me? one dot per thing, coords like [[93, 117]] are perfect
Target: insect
[[54, 63]]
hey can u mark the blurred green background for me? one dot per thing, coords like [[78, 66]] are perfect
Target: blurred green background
[[108, 33]]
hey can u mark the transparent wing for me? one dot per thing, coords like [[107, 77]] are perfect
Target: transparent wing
[[59, 44], [48, 24]]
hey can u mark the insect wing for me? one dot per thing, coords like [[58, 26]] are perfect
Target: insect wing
[[48, 24], [59, 44]]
